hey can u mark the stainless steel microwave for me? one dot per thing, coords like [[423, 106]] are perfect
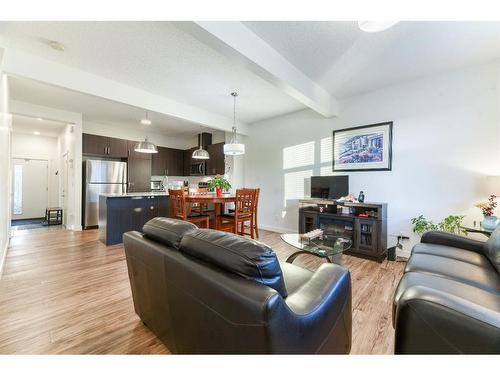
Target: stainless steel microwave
[[198, 168]]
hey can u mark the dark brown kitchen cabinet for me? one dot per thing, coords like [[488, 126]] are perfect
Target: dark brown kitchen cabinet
[[167, 162], [216, 164], [95, 144], [159, 162], [188, 160], [104, 146], [175, 162], [118, 147], [139, 174]]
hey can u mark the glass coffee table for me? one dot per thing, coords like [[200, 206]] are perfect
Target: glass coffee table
[[327, 246]]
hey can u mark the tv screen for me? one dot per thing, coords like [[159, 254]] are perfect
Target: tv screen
[[329, 187]]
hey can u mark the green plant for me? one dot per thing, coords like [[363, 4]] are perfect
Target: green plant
[[451, 223], [219, 182]]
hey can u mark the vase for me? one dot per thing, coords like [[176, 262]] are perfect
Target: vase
[[490, 222], [218, 192]]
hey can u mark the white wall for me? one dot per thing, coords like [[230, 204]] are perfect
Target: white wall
[[28, 146], [69, 152], [5, 187], [446, 139]]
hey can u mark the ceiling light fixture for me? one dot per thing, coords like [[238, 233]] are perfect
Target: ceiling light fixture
[[200, 153], [36, 133], [375, 26], [58, 46], [146, 121], [234, 148], [145, 147]]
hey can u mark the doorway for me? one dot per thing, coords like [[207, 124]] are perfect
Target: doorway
[[29, 189]]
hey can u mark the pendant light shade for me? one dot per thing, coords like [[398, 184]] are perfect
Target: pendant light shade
[[200, 153], [234, 148], [145, 147], [375, 26]]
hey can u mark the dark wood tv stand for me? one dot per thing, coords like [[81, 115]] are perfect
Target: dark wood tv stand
[[368, 234]]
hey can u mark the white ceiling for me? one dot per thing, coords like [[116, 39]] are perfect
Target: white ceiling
[[160, 58], [29, 125], [156, 57], [347, 61], [98, 110]]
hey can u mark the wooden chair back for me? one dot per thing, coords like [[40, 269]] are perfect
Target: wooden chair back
[[245, 202], [177, 204]]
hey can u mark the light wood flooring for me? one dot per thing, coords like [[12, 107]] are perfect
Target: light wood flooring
[[66, 292]]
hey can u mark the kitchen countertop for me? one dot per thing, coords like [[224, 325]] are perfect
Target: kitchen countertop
[[139, 194]]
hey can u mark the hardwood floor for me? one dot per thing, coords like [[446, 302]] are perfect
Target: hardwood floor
[[66, 292]]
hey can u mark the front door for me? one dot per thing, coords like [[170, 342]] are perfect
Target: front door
[[29, 188]]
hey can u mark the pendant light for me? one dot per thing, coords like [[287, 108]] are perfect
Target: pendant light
[[200, 153], [146, 121], [145, 147], [234, 148]]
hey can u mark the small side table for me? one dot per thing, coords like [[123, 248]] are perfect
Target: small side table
[[478, 229], [54, 215]]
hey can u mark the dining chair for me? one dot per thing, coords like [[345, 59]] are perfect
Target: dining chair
[[255, 227], [179, 209], [244, 212], [201, 208]]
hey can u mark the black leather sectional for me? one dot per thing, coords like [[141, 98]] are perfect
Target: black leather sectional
[[448, 300], [205, 291]]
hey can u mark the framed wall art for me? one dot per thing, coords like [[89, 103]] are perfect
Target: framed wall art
[[363, 148]]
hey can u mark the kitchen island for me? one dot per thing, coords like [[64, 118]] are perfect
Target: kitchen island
[[120, 213]]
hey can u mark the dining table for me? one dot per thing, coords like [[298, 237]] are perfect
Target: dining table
[[217, 201]]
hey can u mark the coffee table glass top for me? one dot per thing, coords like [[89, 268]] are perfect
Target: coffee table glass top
[[325, 246]]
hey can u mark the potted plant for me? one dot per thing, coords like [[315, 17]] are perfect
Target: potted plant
[[490, 222], [451, 223], [219, 184]]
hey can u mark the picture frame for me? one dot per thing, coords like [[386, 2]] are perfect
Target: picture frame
[[363, 148]]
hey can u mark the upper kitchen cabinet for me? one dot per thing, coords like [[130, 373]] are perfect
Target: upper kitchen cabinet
[[216, 164], [118, 148], [95, 144], [104, 146], [167, 162]]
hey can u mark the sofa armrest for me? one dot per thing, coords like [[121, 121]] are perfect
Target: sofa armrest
[[430, 321], [322, 309], [454, 240]]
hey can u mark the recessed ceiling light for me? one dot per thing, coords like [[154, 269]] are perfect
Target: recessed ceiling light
[[58, 46], [375, 26], [39, 119], [36, 133]]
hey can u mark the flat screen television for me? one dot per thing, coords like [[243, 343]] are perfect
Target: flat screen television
[[329, 187]]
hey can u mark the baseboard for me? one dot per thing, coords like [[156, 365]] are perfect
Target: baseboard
[[277, 229], [4, 256]]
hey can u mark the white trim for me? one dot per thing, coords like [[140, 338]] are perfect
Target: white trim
[[277, 229], [4, 256]]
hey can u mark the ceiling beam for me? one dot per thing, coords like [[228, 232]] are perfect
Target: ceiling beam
[[21, 64], [235, 41]]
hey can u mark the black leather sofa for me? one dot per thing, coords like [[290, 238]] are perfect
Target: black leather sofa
[[448, 300], [205, 291]]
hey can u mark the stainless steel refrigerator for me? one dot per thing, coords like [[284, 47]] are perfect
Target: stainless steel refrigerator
[[101, 177]]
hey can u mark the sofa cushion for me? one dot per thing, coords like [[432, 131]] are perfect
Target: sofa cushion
[[492, 248], [452, 252], [480, 277], [167, 231], [294, 276], [479, 300], [244, 257]]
